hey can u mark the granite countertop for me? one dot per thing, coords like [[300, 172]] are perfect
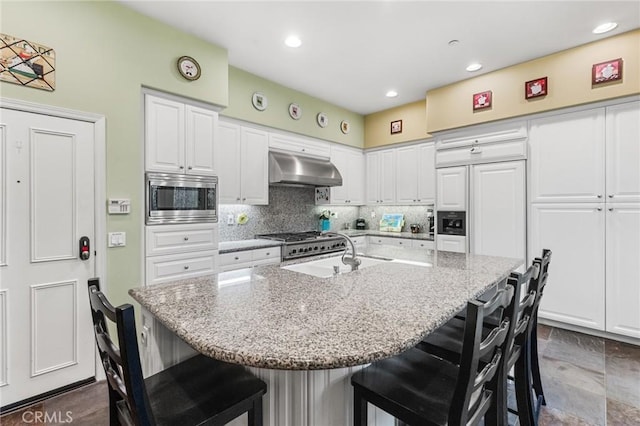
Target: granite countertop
[[274, 318], [241, 245]]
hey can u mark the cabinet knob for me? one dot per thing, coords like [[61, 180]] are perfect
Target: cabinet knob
[[243, 199], [238, 199], [400, 242], [186, 267], [186, 238], [611, 196], [610, 209], [190, 168], [268, 253], [181, 167], [599, 195], [303, 149], [599, 209], [236, 258]]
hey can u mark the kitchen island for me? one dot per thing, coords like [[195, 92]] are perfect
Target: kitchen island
[[305, 335]]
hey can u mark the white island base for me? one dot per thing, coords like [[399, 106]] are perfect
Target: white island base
[[293, 398]]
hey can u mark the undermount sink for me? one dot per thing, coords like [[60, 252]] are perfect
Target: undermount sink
[[324, 268]]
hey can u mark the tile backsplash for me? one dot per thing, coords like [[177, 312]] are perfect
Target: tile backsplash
[[293, 209]]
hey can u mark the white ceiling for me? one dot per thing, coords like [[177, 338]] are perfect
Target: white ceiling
[[353, 52]]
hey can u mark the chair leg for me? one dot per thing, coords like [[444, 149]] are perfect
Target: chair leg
[[535, 366], [113, 410], [254, 415], [498, 412], [524, 395], [359, 408]]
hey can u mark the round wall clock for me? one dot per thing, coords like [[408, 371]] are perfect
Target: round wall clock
[[189, 68]]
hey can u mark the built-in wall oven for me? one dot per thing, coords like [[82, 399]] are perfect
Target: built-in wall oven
[[452, 223], [176, 198]]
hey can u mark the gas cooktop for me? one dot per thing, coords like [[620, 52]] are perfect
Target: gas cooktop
[[306, 243]]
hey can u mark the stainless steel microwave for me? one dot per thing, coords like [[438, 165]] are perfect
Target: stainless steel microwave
[[175, 198]]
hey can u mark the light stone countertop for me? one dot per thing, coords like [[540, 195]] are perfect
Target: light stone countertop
[[417, 236], [269, 317]]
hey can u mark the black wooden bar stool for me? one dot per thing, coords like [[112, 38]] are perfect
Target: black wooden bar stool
[[418, 388], [197, 391]]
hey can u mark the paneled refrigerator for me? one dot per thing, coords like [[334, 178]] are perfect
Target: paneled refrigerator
[[493, 199]]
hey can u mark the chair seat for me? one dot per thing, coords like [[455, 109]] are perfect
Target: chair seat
[[202, 390], [415, 383]]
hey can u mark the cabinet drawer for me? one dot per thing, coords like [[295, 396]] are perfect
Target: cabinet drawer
[[482, 153], [180, 266], [235, 258], [423, 244], [169, 239], [266, 253], [299, 146], [390, 241], [478, 135]]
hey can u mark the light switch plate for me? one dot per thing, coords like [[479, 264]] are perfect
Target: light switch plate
[[117, 239]]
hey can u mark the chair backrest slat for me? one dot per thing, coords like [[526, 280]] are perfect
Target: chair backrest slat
[[122, 362]]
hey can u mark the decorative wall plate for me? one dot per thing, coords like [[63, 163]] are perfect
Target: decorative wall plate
[[189, 68], [322, 119], [295, 111], [345, 127], [259, 101]]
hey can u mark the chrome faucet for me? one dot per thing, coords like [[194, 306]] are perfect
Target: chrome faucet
[[352, 260]]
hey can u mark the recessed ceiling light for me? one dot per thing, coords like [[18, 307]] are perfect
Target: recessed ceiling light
[[293, 41], [474, 67], [603, 28], [392, 94]]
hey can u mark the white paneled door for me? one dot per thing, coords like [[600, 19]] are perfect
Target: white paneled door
[[47, 184]]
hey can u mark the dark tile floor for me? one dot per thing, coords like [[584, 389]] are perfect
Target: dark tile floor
[[587, 381]]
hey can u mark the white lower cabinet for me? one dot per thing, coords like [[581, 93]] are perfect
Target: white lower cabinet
[[249, 258], [623, 269], [175, 252], [454, 243], [173, 267], [575, 233], [401, 242]]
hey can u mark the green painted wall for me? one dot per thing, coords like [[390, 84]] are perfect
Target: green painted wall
[[105, 53], [242, 85]]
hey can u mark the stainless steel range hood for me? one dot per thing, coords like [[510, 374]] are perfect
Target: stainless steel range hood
[[298, 170]]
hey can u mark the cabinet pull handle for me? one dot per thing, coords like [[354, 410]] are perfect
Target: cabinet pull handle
[[611, 196], [186, 238], [186, 267]]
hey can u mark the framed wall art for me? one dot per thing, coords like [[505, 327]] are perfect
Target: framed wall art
[[605, 72], [482, 100], [396, 127], [295, 111], [27, 63], [536, 88], [345, 127], [259, 101]]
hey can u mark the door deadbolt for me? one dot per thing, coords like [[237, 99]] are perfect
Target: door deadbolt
[[85, 248]]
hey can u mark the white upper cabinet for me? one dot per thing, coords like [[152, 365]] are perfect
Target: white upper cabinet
[[350, 164], [452, 188], [567, 154], [415, 174], [623, 152], [242, 165], [179, 138], [381, 177], [299, 145]]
